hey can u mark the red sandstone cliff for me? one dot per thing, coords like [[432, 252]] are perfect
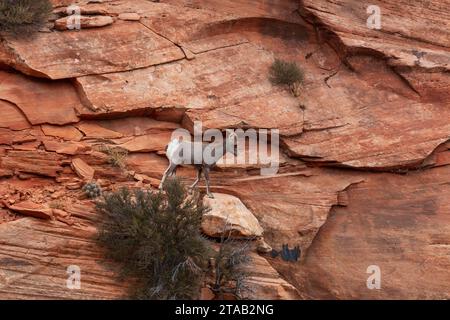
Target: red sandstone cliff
[[364, 175]]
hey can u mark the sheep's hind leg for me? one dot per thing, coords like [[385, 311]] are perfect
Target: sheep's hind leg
[[199, 175], [206, 174]]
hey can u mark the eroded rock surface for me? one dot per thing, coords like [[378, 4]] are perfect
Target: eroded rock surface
[[398, 223], [36, 255], [29, 208], [265, 283]]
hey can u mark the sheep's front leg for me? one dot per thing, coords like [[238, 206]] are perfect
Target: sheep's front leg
[[199, 175], [169, 172], [163, 178], [206, 174], [173, 171]]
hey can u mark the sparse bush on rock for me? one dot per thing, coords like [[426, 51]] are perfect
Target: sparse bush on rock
[[116, 155], [155, 237], [23, 17], [229, 266], [287, 74]]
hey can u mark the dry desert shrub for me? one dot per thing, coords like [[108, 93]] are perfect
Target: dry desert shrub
[[23, 17], [156, 238], [117, 156], [288, 74]]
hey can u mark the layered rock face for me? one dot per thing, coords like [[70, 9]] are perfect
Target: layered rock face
[[364, 165]]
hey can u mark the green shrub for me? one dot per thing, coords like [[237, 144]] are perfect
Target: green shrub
[[155, 237], [23, 17], [287, 74]]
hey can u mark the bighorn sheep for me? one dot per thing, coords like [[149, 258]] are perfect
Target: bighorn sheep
[[186, 152]]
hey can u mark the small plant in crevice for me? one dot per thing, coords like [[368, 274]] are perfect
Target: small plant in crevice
[[117, 156], [92, 190], [57, 204], [155, 237], [23, 17], [288, 74], [229, 266]]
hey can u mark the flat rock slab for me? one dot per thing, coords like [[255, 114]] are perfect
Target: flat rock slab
[[63, 147], [82, 169], [177, 23], [242, 9], [41, 101], [200, 83], [67, 132], [148, 143], [134, 126], [12, 117], [129, 16], [32, 209], [85, 22], [236, 93], [36, 162], [229, 216], [276, 110], [119, 47], [93, 130]]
